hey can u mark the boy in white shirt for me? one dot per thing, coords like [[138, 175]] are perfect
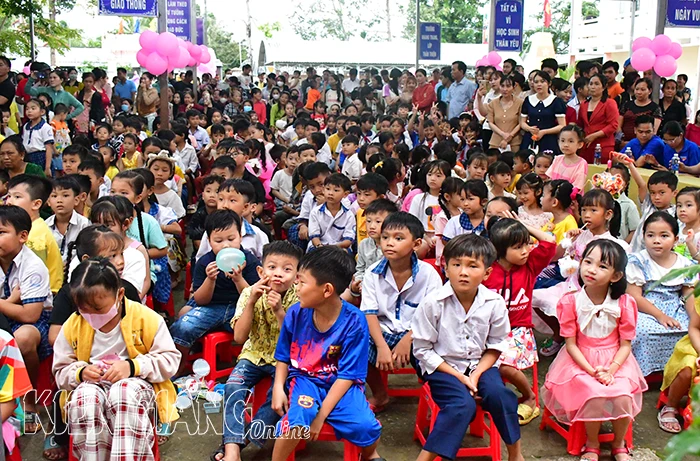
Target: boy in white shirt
[[459, 333], [65, 223], [392, 289], [281, 184], [332, 223], [352, 167], [185, 155]]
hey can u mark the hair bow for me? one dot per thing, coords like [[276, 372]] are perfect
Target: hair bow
[[574, 193], [531, 159]]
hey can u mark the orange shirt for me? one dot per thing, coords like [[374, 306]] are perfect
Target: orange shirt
[[312, 96], [615, 90]]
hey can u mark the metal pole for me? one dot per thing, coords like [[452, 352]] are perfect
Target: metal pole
[[163, 78], [240, 54], [492, 26], [249, 33], [660, 25], [32, 47], [417, 32], [633, 9]]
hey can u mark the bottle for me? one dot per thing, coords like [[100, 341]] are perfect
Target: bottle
[[675, 163], [628, 153], [597, 155]]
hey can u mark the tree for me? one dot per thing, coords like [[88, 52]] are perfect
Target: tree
[[268, 29], [14, 26], [461, 20], [339, 19], [222, 42]]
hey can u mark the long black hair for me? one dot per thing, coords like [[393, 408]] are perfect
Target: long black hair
[[91, 275], [138, 184], [90, 241], [602, 198], [451, 186]]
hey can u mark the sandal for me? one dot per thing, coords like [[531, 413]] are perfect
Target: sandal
[[621, 451], [163, 432], [551, 349], [219, 451], [668, 423], [52, 450], [592, 451], [30, 417], [526, 413]]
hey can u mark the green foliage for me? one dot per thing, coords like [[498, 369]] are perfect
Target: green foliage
[[589, 10], [222, 42], [559, 27], [567, 74], [461, 20], [268, 29], [338, 19], [14, 26]]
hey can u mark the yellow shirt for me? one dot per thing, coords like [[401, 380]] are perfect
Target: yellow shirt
[[333, 141], [265, 330], [14, 126], [42, 242], [560, 229], [361, 225], [112, 171], [511, 188]]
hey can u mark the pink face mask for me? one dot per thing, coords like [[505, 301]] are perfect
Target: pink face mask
[[97, 321]]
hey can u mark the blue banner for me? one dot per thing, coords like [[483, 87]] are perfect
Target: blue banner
[[683, 13], [128, 8], [430, 41], [509, 25], [179, 18]]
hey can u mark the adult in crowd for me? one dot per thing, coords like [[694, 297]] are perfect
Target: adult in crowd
[[184, 84], [610, 71], [72, 85], [55, 91], [442, 88], [503, 115], [509, 66], [147, 99], [487, 92], [104, 89], [409, 87], [671, 108], [277, 109], [424, 94], [124, 88], [7, 88], [391, 90], [542, 116], [628, 82], [306, 84], [682, 89], [640, 105], [233, 107], [460, 95], [91, 99], [351, 83], [598, 116], [692, 130]]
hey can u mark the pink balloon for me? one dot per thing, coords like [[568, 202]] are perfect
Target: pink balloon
[[661, 45], [142, 58], [676, 50], [148, 40], [167, 44], [192, 62], [206, 56], [156, 64], [195, 52], [665, 66], [643, 59], [499, 68], [494, 58], [209, 68], [641, 42], [27, 70], [182, 59]]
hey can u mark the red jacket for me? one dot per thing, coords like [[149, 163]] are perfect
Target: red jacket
[[605, 117], [424, 97], [521, 281]]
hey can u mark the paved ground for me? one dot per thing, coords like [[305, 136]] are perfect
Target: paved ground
[[397, 443]]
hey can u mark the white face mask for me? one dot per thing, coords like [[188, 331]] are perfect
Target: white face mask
[[280, 83], [275, 96]]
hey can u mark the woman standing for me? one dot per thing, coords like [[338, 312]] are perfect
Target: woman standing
[[334, 94], [487, 92], [104, 90], [277, 112], [409, 88], [543, 115], [147, 99], [641, 105], [424, 94], [598, 118], [671, 108], [92, 101], [391, 91], [503, 115], [56, 92], [563, 89]]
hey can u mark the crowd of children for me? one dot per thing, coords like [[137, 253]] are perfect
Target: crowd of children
[[375, 238]]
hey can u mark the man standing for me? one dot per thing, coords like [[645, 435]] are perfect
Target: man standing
[[349, 84], [125, 89], [461, 93], [610, 70], [7, 88], [306, 84]]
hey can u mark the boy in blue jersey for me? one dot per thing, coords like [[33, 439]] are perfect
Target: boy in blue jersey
[[322, 358]]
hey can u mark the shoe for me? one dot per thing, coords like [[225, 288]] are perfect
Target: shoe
[[551, 349]]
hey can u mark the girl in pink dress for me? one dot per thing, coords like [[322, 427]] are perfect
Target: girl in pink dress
[[596, 378]]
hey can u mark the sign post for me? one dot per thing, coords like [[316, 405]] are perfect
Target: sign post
[[508, 21], [430, 36], [148, 8]]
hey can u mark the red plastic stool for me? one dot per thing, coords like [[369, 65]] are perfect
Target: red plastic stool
[[411, 392], [575, 434], [168, 308], [228, 352], [188, 280], [155, 448], [686, 413], [149, 301], [260, 394], [433, 263], [327, 434], [46, 384], [535, 385], [15, 455], [427, 414]]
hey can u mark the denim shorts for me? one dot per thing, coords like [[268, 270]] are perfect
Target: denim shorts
[[201, 320]]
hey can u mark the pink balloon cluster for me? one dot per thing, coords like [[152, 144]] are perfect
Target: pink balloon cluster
[[660, 54], [165, 52], [491, 59]]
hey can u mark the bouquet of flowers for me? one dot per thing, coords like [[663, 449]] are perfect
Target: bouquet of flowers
[[612, 183]]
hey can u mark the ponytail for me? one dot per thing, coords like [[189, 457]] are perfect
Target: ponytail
[[71, 246], [139, 221]]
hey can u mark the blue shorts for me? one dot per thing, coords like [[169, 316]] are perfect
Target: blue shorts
[[201, 320], [44, 350], [37, 158], [351, 418], [57, 164]]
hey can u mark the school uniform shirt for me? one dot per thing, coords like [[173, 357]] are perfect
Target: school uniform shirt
[[689, 154], [186, 158], [516, 285], [43, 244], [443, 332], [253, 239], [200, 135], [173, 201], [331, 229], [325, 155], [225, 291], [654, 147], [36, 137], [395, 307], [76, 223], [282, 183], [352, 167], [28, 272], [424, 206], [461, 224], [368, 253], [341, 352], [630, 215], [105, 187]]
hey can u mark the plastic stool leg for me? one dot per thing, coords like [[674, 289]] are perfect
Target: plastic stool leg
[[476, 428]]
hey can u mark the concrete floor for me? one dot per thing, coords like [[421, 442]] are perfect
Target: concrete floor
[[196, 436]]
